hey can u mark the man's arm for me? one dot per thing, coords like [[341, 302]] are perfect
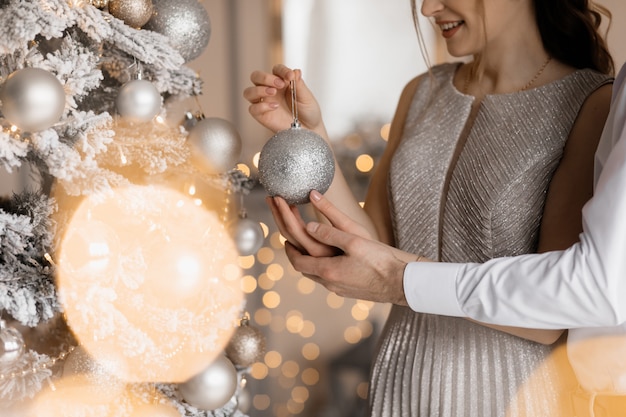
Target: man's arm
[[582, 286]]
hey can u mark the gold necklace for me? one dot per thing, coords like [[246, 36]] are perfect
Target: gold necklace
[[525, 87]]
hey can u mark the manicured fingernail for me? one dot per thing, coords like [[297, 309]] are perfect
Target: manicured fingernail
[[315, 195], [279, 83], [312, 226], [273, 105], [270, 91]]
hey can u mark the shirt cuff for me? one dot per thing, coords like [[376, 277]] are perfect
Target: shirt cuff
[[430, 287]]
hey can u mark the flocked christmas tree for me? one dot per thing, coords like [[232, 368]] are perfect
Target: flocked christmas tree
[[119, 284]]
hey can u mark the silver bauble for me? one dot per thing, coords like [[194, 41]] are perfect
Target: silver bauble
[[138, 101], [213, 387], [294, 162], [134, 13], [33, 99], [246, 346], [215, 145], [11, 344], [244, 400], [249, 236], [185, 23]]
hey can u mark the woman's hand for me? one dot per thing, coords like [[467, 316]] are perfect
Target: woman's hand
[[293, 227], [270, 100]]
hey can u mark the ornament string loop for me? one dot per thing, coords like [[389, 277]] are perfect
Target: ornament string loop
[[294, 104]]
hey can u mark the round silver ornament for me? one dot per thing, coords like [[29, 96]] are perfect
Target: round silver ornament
[[247, 345], [215, 145], [11, 344], [134, 13], [294, 162], [138, 101], [33, 99], [213, 387], [249, 236], [244, 400], [185, 23]]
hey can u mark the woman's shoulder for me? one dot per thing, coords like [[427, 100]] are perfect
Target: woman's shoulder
[[437, 76]]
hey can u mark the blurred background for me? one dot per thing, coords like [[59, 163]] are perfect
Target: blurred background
[[356, 55]]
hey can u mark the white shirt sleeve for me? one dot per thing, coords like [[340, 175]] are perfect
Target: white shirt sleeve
[[582, 286]]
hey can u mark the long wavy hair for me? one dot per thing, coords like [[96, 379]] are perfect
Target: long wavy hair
[[570, 32]]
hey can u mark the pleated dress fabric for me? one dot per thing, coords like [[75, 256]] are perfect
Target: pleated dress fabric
[[466, 190]]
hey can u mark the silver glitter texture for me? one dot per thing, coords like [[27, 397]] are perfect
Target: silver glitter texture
[[185, 22], [294, 162], [135, 13]]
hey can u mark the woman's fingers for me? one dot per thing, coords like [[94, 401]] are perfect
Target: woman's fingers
[[295, 227], [336, 217]]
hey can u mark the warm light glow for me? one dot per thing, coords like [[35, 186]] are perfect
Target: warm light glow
[[259, 370], [361, 390], [263, 317], [266, 230], [290, 369], [300, 394], [310, 351], [244, 168], [334, 301], [265, 255], [384, 131], [277, 241], [130, 261], [160, 119], [275, 272], [14, 128], [248, 284], [273, 359], [192, 190], [364, 163], [265, 282], [310, 376], [255, 159], [261, 401], [308, 329], [306, 286], [294, 407], [352, 335], [359, 313], [294, 323], [271, 299], [246, 262]]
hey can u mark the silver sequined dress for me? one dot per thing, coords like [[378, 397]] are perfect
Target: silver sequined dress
[[465, 191]]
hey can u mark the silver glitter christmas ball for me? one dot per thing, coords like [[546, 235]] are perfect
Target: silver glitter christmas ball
[[294, 162], [33, 99], [248, 236], [138, 101], [134, 13], [215, 145], [213, 387], [247, 345], [185, 23]]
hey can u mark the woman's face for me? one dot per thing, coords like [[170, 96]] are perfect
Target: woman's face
[[470, 26]]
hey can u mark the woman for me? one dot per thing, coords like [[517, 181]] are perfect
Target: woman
[[485, 159]]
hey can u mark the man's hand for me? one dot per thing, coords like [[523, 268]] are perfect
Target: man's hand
[[366, 269]]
